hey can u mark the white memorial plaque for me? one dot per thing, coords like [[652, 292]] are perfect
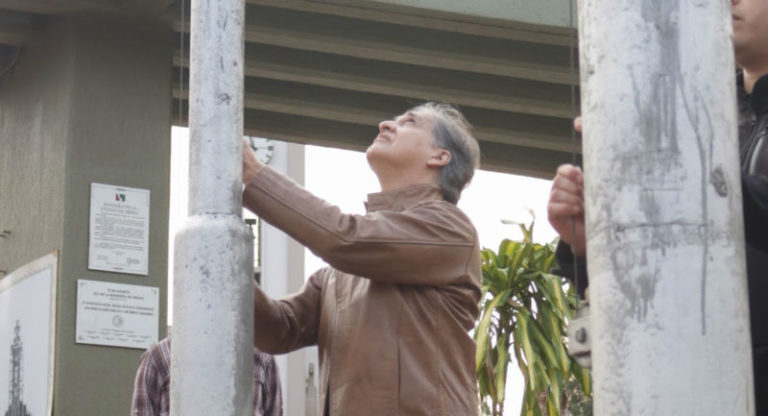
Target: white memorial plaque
[[117, 315], [119, 229]]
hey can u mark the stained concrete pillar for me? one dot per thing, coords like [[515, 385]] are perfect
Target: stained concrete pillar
[[670, 319]]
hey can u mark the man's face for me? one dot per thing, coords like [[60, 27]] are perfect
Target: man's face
[[405, 142], [750, 30]]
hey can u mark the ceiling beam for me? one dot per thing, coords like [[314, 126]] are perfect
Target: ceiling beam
[[432, 19], [387, 42], [433, 84], [56, 7], [353, 108], [375, 50]]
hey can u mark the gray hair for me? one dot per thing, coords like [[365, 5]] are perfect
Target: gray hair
[[452, 132]]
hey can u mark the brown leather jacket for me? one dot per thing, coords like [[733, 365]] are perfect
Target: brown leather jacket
[[391, 316]]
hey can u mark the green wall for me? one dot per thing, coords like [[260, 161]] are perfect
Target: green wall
[[89, 101]]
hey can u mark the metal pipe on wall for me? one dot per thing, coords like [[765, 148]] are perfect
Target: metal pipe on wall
[[212, 346], [665, 244]]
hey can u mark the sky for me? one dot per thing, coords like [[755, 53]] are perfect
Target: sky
[[491, 197]]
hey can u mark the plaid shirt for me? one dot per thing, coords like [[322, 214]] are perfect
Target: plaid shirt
[[152, 388]]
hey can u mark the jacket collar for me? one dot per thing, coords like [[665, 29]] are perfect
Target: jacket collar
[[400, 199], [758, 99]]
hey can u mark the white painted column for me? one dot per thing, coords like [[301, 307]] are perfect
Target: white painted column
[[282, 263], [664, 221], [212, 347]]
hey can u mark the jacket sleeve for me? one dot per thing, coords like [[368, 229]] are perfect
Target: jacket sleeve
[[755, 194], [287, 324], [429, 244], [568, 267]]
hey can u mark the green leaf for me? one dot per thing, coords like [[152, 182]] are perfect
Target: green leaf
[[518, 349], [483, 384], [541, 375], [496, 278], [555, 391], [561, 296], [585, 378], [531, 404], [552, 326], [546, 265], [487, 255], [501, 367], [525, 408], [544, 345], [513, 303], [519, 256], [523, 337], [510, 248], [482, 335], [553, 292], [551, 409], [504, 246], [550, 323], [526, 233]]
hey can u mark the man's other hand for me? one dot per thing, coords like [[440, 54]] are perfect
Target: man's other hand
[[251, 164], [565, 208]]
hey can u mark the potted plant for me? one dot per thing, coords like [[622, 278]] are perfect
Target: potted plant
[[524, 312]]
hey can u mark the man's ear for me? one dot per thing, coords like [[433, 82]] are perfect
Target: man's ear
[[440, 157]]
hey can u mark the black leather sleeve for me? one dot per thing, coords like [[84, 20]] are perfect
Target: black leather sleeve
[[571, 269], [755, 194]]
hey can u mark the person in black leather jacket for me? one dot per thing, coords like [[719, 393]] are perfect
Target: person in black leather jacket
[[566, 203]]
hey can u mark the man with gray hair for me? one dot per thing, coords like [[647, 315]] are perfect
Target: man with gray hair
[[391, 314]]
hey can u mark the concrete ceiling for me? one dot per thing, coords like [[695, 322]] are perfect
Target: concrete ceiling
[[326, 72]]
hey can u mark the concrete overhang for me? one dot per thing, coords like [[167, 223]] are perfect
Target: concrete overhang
[[326, 72]]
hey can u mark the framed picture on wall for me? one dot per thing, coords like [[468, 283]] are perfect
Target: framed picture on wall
[[27, 337]]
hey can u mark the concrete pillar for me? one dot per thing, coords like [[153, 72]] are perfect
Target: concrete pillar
[[212, 360], [89, 101], [664, 223]]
